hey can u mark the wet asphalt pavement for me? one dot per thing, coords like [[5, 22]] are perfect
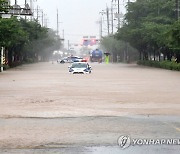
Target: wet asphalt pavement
[[43, 109]]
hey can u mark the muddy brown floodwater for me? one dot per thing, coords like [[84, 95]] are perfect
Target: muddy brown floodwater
[[43, 107]]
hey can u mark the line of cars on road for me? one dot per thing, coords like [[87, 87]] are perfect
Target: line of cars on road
[[78, 65], [70, 59]]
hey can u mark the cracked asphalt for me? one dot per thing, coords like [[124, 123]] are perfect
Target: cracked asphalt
[[44, 109]]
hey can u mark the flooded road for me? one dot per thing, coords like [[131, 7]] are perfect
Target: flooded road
[[43, 109]]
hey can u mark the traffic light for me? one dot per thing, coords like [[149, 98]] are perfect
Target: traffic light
[[93, 42], [85, 42]]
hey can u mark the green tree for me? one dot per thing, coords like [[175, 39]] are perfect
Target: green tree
[[41, 41], [4, 6], [147, 25], [174, 37], [26, 41], [120, 50], [13, 38]]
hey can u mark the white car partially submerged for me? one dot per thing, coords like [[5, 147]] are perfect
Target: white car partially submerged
[[80, 68]]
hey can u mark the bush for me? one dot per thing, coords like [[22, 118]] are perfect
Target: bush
[[170, 65]]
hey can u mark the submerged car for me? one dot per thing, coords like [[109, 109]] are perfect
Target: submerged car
[[70, 59], [80, 68]]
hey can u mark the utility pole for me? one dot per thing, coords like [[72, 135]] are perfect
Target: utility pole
[[25, 5], [112, 17], [177, 9], [118, 11], [101, 24], [31, 6], [57, 22], [63, 33], [37, 13], [107, 13], [42, 18], [101, 27], [118, 15], [45, 20], [63, 38], [127, 45], [68, 45]]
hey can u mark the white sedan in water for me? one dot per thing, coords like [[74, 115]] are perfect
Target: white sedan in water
[[80, 68]]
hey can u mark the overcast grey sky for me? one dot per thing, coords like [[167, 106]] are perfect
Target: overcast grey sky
[[78, 17]]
